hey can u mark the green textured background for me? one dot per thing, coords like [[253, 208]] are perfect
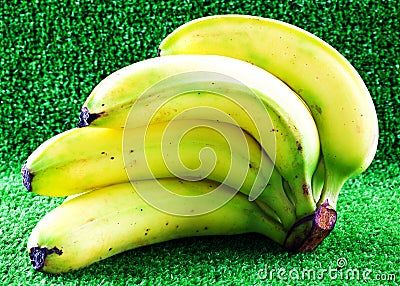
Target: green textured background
[[53, 54]]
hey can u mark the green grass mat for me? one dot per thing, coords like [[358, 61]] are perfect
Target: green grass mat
[[52, 55]]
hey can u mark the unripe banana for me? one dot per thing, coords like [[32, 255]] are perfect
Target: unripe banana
[[297, 143], [89, 158], [318, 180], [335, 93], [102, 223]]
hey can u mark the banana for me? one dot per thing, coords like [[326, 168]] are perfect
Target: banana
[[296, 150], [85, 159], [335, 93], [108, 221], [264, 206], [318, 180]]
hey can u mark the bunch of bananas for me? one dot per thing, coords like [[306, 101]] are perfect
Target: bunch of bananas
[[242, 124]]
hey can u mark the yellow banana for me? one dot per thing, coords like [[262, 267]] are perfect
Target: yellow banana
[[296, 150], [108, 221], [269, 211], [89, 158], [335, 93]]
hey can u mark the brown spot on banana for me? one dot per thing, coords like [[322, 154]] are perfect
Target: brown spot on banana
[[317, 108], [306, 189], [299, 147]]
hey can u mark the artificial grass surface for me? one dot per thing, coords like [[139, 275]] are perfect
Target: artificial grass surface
[[53, 54]]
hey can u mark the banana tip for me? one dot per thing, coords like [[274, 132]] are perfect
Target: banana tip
[[38, 256], [308, 232], [26, 177], [85, 117]]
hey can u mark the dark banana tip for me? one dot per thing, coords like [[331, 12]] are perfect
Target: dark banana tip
[[85, 117], [26, 177], [158, 52], [38, 256], [323, 223]]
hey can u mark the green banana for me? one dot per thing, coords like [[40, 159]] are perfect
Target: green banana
[[296, 150], [102, 223], [318, 180], [71, 162], [335, 93]]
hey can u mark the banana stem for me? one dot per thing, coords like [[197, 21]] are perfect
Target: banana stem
[[323, 223], [318, 180], [307, 233], [280, 204], [332, 186], [272, 230], [268, 211], [310, 231], [304, 201]]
